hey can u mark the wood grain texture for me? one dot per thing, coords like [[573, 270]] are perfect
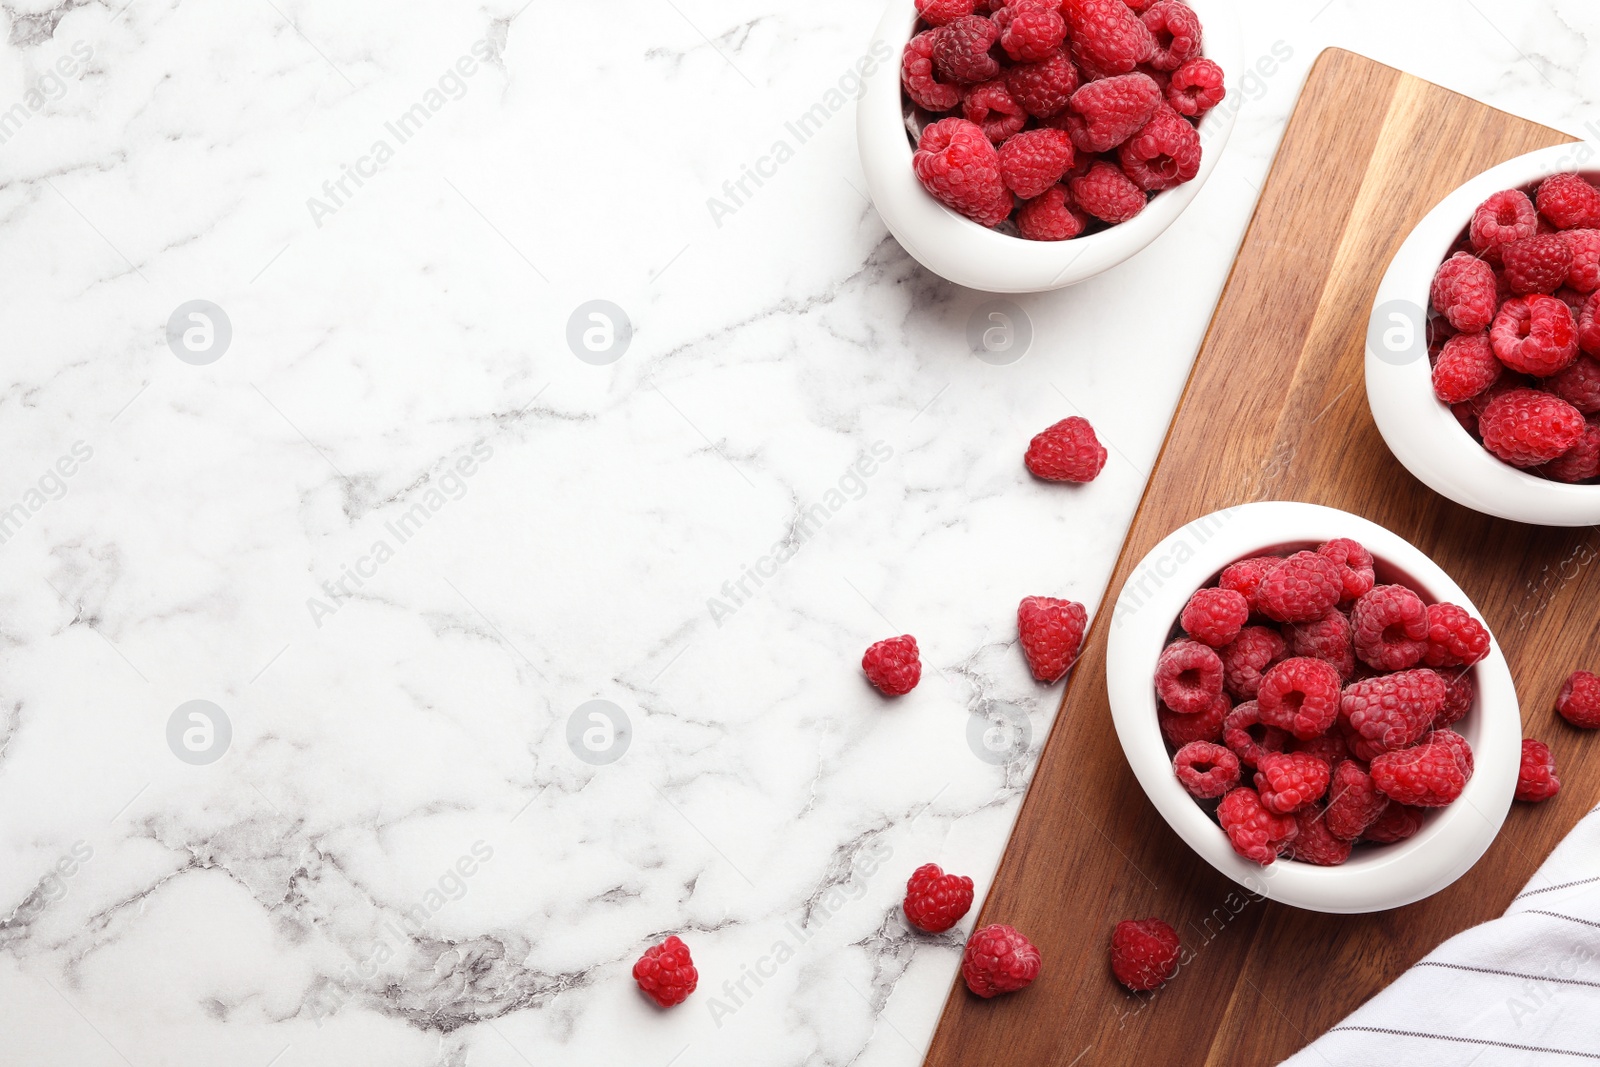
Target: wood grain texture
[[1275, 409]]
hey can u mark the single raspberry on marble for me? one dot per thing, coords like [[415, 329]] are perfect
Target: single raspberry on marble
[[1314, 842], [1354, 563], [1107, 193], [1581, 462], [1245, 577], [1176, 30], [961, 49], [1030, 29], [1568, 201], [958, 165], [1428, 775], [1583, 277], [1537, 264], [1330, 747], [1043, 88], [1113, 110], [1460, 691], [1215, 616], [1455, 638], [1579, 702], [936, 901], [992, 108], [1466, 368], [1051, 634], [1300, 588], [1106, 35], [1246, 658], [1354, 802], [1393, 710], [997, 960], [1579, 385], [1288, 781], [1248, 737], [1504, 217], [1196, 87], [1144, 953], [1188, 676], [1300, 695], [1390, 627], [1206, 769], [1165, 153], [893, 665], [1527, 427], [1536, 774], [666, 973], [1179, 730], [1066, 452], [1398, 822], [1535, 335], [1051, 216], [1328, 639], [919, 79], [939, 12], [1034, 160], [1464, 292], [1254, 832]]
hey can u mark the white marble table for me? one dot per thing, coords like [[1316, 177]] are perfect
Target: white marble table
[[395, 533]]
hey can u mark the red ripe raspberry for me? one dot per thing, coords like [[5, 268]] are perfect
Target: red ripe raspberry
[[1215, 616], [1463, 291], [1354, 803], [958, 165], [1569, 201], [1107, 193], [1144, 953], [936, 901], [1457, 745], [1240, 730], [1504, 217], [1455, 639], [666, 973], [1581, 462], [1537, 264], [1460, 692], [1526, 427], [1176, 30], [1245, 577], [1033, 161], [1288, 781], [990, 106], [1584, 274], [1391, 628], [1052, 216], [892, 665], [1106, 35], [1180, 730], [1163, 154], [1139, 7], [1030, 30], [1589, 325], [1051, 633], [1043, 88], [1300, 695], [1207, 770], [1327, 639], [1188, 677], [1354, 563], [1397, 823], [1359, 746], [1196, 87], [1579, 702], [918, 78], [1066, 452], [1255, 832], [999, 960], [1536, 776], [1393, 710], [961, 49], [1424, 776], [1579, 385], [1535, 335], [1572, 298], [1330, 747], [1301, 588], [1247, 658], [1314, 842], [1466, 368], [939, 12], [1113, 110]]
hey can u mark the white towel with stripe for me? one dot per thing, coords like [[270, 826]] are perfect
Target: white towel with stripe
[[1517, 991]]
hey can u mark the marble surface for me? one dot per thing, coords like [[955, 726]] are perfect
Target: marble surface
[[397, 536]]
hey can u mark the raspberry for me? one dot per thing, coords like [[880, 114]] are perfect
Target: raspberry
[[1107, 193], [666, 973], [1166, 152], [998, 960], [1314, 842], [1466, 368], [1176, 31], [1196, 87], [918, 78], [1458, 745], [961, 49], [1579, 385], [1214, 616], [1300, 588], [1188, 677], [990, 106], [1051, 633], [1359, 746], [1397, 823], [1255, 833], [1354, 563], [1052, 216], [1354, 803], [1581, 462], [1536, 776], [1237, 734], [1113, 110], [1144, 953], [1288, 781], [1066, 452], [1572, 298], [1537, 264], [1455, 639], [1330, 747], [936, 901], [1247, 658], [892, 665], [1391, 628], [1393, 710], [1207, 770], [1463, 291], [1460, 692], [1589, 325], [1579, 702], [1245, 577], [1569, 201], [1584, 274], [1504, 217], [1535, 335], [1526, 427], [1043, 88], [956, 163], [1423, 776], [1106, 35], [1030, 30], [1300, 695], [1180, 730], [939, 12], [1032, 162], [1327, 639]]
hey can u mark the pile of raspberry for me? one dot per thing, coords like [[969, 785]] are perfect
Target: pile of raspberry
[[1064, 116], [1310, 708], [1514, 328]]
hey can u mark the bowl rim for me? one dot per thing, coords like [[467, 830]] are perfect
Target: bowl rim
[[1419, 428], [1148, 605], [964, 252]]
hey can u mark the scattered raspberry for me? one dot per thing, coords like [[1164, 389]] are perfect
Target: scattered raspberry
[[1460, 691], [961, 50], [1032, 162], [939, 12], [1051, 634], [1463, 292], [1106, 35], [1579, 702], [1288, 781], [1579, 385], [1504, 217], [1391, 628], [1176, 30], [1247, 658], [666, 973], [1113, 110], [1537, 264], [999, 960], [1052, 216], [1250, 739], [1354, 802], [1165, 153], [1314, 842], [1423, 776], [936, 901], [1526, 427], [1215, 616], [1180, 730], [1466, 368], [1144, 953], [1043, 88], [1255, 833], [990, 106], [1066, 452], [958, 165], [1188, 677], [1195, 87], [1030, 30], [1206, 769], [1581, 462], [1107, 193], [1330, 747], [1584, 274], [1535, 335], [1397, 823], [892, 665], [1536, 776], [1301, 588], [1393, 710], [1327, 639], [1455, 638], [1569, 201], [1300, 695], [1245, 577], [1355, 566], [918, 78]]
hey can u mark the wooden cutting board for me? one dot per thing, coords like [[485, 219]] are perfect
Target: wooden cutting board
[[1275, 409]]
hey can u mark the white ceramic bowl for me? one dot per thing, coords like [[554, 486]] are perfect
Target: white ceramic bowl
[[1419, 428], [968, 254], [1375, 878]]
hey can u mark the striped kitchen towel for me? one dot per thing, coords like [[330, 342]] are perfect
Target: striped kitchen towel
[[1522, 989]]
